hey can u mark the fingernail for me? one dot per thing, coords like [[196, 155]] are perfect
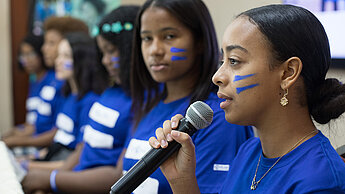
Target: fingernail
[[175, 133], [169, 138], [156, 143], [173, 124], [163, 143]]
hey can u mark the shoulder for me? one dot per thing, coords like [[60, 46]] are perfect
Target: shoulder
[[90, 97], [115, 92], [322, 166]]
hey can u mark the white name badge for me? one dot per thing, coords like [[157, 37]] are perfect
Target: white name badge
[[104, 115], [221, 167], [137, 149], [31, 117], [64, 122], [32, 103], [64, 138], [48, 92], [44, 108], [149, 186], [97, 139]]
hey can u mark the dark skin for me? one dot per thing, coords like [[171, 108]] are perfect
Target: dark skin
[[279, 128], [42, 140], [93, 180]]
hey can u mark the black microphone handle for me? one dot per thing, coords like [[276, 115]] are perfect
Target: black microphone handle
[[149, 163]]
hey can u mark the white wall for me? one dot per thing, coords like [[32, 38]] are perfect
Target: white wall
[[224, 11], [6, 116]]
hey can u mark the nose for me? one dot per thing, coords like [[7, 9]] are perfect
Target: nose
[[157, 48], [220, 78], [106, 60], [44, 48]]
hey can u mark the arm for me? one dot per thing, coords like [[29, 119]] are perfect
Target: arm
[[67, 164], [72, 159], [39, 141], [23, 130], [180, 168], [94, 180], [45, 165]]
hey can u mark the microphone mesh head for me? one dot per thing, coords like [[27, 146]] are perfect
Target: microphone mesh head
[[199, 114]]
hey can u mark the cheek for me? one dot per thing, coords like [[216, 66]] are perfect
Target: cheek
[[244, 83]]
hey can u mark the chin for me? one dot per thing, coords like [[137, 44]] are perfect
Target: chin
[[59, 77], [233, 119], [50, 64]]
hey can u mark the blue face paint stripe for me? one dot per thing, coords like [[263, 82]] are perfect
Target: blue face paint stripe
[[116, 65], [177, 50], [241, 89], [68, 66], [178, 58], [115, 59], [240, 77]]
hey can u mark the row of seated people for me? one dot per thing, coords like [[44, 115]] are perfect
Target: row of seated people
[[157, 60]]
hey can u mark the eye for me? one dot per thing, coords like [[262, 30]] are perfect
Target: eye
[[233, 61], [169, 36], [146, 38]]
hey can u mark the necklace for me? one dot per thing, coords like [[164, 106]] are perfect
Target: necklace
[[254, 182]]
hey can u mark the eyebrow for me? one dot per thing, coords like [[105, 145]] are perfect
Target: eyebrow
[[161, 30], [232, 47]]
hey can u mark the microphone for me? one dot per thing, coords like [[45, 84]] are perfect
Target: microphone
[[199, 115]]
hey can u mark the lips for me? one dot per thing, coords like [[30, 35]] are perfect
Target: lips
[[158, 67], [227, 101]]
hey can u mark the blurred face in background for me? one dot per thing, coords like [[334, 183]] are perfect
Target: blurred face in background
[[167, 46], [64, 61], [30, 59], [110, 58], [52, 39]]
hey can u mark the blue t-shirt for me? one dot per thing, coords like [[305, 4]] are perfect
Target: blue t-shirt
[[313, 167], [72, 118], [33, 99], [107, 130], [51, 101], [211, 143]]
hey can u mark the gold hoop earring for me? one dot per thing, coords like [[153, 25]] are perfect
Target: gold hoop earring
[[284, 101]]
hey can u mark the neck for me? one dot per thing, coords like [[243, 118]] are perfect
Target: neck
[[39, 74], [73, 85], [178, 89], [281, 132], [183, 85]]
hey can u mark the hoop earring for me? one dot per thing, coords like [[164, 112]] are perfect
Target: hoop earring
[[284, 101]]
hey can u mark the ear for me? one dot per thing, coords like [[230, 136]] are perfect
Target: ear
[[292, 69]]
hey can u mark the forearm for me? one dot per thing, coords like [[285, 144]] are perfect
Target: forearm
[[95, 180], [25, 130], [42, 140], [182, 186], [28, 130], [73, 159], [45, 165]]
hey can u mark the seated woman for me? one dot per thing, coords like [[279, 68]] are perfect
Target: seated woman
[[50, 98], [174, 55], [31, 61], [109, 118], [77, 64], [273, 76]]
